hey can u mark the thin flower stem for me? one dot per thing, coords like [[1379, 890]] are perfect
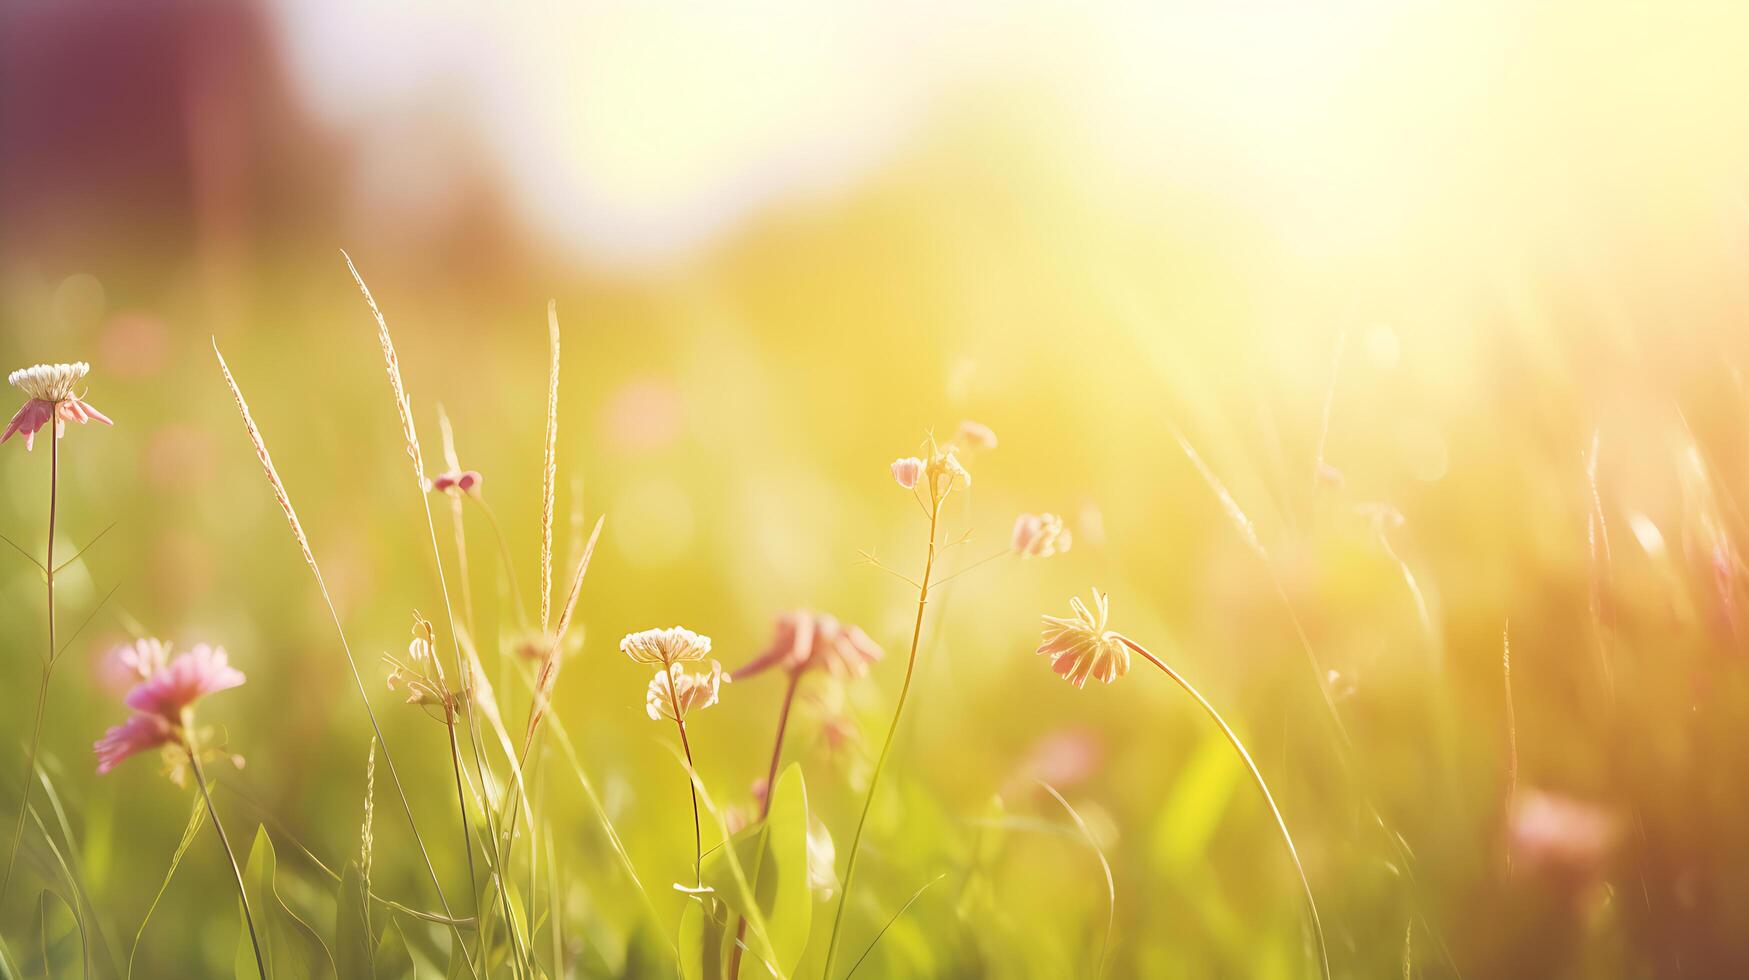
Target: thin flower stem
[[1263, 787], [455, 760], [886, 746], [42, 693], [697, 830], [789, 697], [230, 855]]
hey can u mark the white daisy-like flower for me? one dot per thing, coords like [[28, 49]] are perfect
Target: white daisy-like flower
[[49, 382], [50, 387], [673, 693], [673, 645], [1082, 647]]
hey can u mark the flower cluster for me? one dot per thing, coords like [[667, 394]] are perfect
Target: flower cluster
[[673, 693], [676, 644], [50, 387], [940, 469], [421, 674], [163, 702]]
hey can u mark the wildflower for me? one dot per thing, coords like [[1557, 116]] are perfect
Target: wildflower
[[463, 481], [50, 387], [1040, 535], [673, 692], [139, 733], [163, 702], [946, 472], [1082, 647], [908, 471], [143, 657], [975, 435], [163, 716], [173, 689], [812, 639], [665, 647], [422, 676]]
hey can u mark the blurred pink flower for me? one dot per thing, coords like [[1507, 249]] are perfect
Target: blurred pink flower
[[907, 471], [185, 680], [139, 733], [1040, 535], [804, 639], [673, 690], [50, 387], [1082, 647], [465, 481], [1560, 837], [143, 657], [164, 700], [975, 435], [1064, 757]]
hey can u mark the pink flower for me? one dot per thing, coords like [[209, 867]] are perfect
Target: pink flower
[[185, 680], [908, 471], [1040, 535], [143, 657], [50, 387], [139, 733], [806, 639], [1083, 647], [465, 481]]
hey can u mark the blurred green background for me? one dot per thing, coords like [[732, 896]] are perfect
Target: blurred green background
[[1458, 247]]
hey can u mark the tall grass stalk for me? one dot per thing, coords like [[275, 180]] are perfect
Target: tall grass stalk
[[48, 666], [410, 434], [1262, 787], [874, 781], [303, 541]]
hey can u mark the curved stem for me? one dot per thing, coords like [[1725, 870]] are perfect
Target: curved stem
[[789, 697], [886, 746], [230, 855], [42, 694], [1263, 787], [697, 830]]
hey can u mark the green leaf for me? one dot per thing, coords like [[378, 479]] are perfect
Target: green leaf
[[353, 945], [393, 960], [195, 819], [291, 948], [774, 857], [704, 928], [61, 936]]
